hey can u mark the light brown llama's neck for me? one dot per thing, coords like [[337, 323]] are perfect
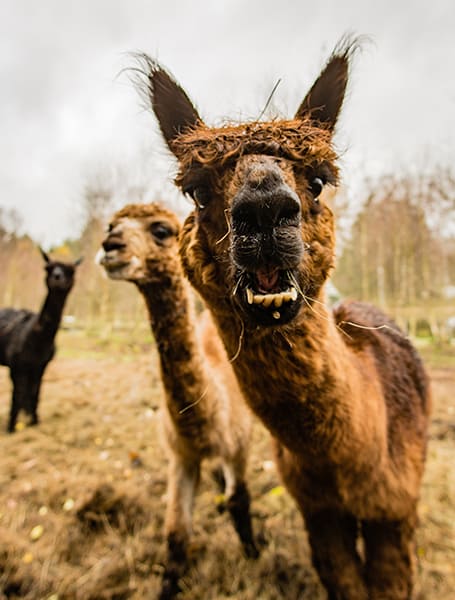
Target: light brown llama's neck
[[172, 321], [304, 383]]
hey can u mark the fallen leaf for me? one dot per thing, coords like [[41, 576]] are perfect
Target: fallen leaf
[[219, 499], [68, 504], [36, 533], [135, 459]]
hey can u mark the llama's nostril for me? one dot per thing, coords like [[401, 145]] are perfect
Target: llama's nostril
[[111, 244], [257, 210]]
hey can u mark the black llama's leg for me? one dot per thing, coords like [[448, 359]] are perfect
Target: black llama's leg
[[182, 484], [17, 399], [389, 556], [332, 537], [238, 505], [35, 386]]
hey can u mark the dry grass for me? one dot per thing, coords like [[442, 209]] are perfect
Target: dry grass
[[88, 484]]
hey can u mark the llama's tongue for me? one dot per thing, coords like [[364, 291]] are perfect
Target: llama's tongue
[[267, 280]]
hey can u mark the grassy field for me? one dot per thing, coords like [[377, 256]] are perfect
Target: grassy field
[[82, 496]]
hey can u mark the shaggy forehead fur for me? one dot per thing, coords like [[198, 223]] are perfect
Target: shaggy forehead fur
[[297, 140], [142, 211]]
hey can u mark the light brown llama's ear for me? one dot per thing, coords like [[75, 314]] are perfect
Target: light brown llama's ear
[[173, 109], [325, 98]]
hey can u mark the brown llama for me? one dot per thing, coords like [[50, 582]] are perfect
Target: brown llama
[[206, 416], [344, 393]]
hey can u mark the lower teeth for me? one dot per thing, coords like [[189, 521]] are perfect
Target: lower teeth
[[276, 315], [271, 299]]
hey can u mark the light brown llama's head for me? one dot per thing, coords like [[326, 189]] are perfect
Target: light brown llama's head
[[261, 236], [141, 244]]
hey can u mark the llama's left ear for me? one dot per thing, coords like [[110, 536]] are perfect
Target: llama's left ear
[[44, 255], [173, 109], [325, 98], [78, 261]]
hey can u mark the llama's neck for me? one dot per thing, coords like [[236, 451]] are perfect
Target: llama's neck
[[172, 322], [301, 381], [51, 313]]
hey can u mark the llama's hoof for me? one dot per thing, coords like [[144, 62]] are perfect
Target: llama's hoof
[[170, 587], [251, 550]]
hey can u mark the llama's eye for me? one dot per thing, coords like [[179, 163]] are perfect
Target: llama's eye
[[109, 228], [316, 188], [160, 231], [200, 194]]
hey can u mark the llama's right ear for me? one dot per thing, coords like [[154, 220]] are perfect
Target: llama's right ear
[[44, 255], [171, 105]]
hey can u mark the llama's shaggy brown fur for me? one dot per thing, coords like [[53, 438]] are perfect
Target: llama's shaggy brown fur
[[205, 415], [344, 393]]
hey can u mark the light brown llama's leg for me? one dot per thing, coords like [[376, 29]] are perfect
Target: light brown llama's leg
[[238, 505], [182, 484], [332, 537], [389, 556]]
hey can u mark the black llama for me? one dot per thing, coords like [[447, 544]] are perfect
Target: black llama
[[27, 339]]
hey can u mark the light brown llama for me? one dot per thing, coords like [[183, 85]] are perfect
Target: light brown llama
[[206, 416], [344, 394]]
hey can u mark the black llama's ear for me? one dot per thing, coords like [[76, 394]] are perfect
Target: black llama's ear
[[78, 261], [325, 98], [44, 255], [172, 107]]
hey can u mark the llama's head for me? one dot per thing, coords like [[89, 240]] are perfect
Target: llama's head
[[261, 234], [59, 275], [141, 244]]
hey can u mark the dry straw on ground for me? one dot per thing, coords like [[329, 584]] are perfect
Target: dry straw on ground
[[82, 496]]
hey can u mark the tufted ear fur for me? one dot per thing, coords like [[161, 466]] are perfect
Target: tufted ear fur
[[325, 98], [171, 105]]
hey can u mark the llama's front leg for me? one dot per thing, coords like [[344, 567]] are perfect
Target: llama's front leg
[[238, 505], [17, 399], [182, 485], [390, 556], [14, 411], [34, 391], [332, 537]]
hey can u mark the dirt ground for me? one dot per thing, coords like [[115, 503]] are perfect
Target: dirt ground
[[82, 495]]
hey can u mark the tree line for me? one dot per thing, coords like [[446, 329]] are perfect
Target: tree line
[[397, 251]]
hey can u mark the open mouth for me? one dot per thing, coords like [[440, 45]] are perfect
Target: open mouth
[[272, 295]]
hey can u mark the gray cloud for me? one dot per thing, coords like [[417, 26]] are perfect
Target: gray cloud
[[63, 110]]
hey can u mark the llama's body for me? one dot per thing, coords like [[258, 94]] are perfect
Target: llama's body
[[344, 394], [27, 341], [204, 415]]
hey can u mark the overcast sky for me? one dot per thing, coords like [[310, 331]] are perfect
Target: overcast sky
[[64, 113]]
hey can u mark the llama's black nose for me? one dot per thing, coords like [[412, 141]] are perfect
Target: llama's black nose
[[265, 201], [58, 274], [112, 243]]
